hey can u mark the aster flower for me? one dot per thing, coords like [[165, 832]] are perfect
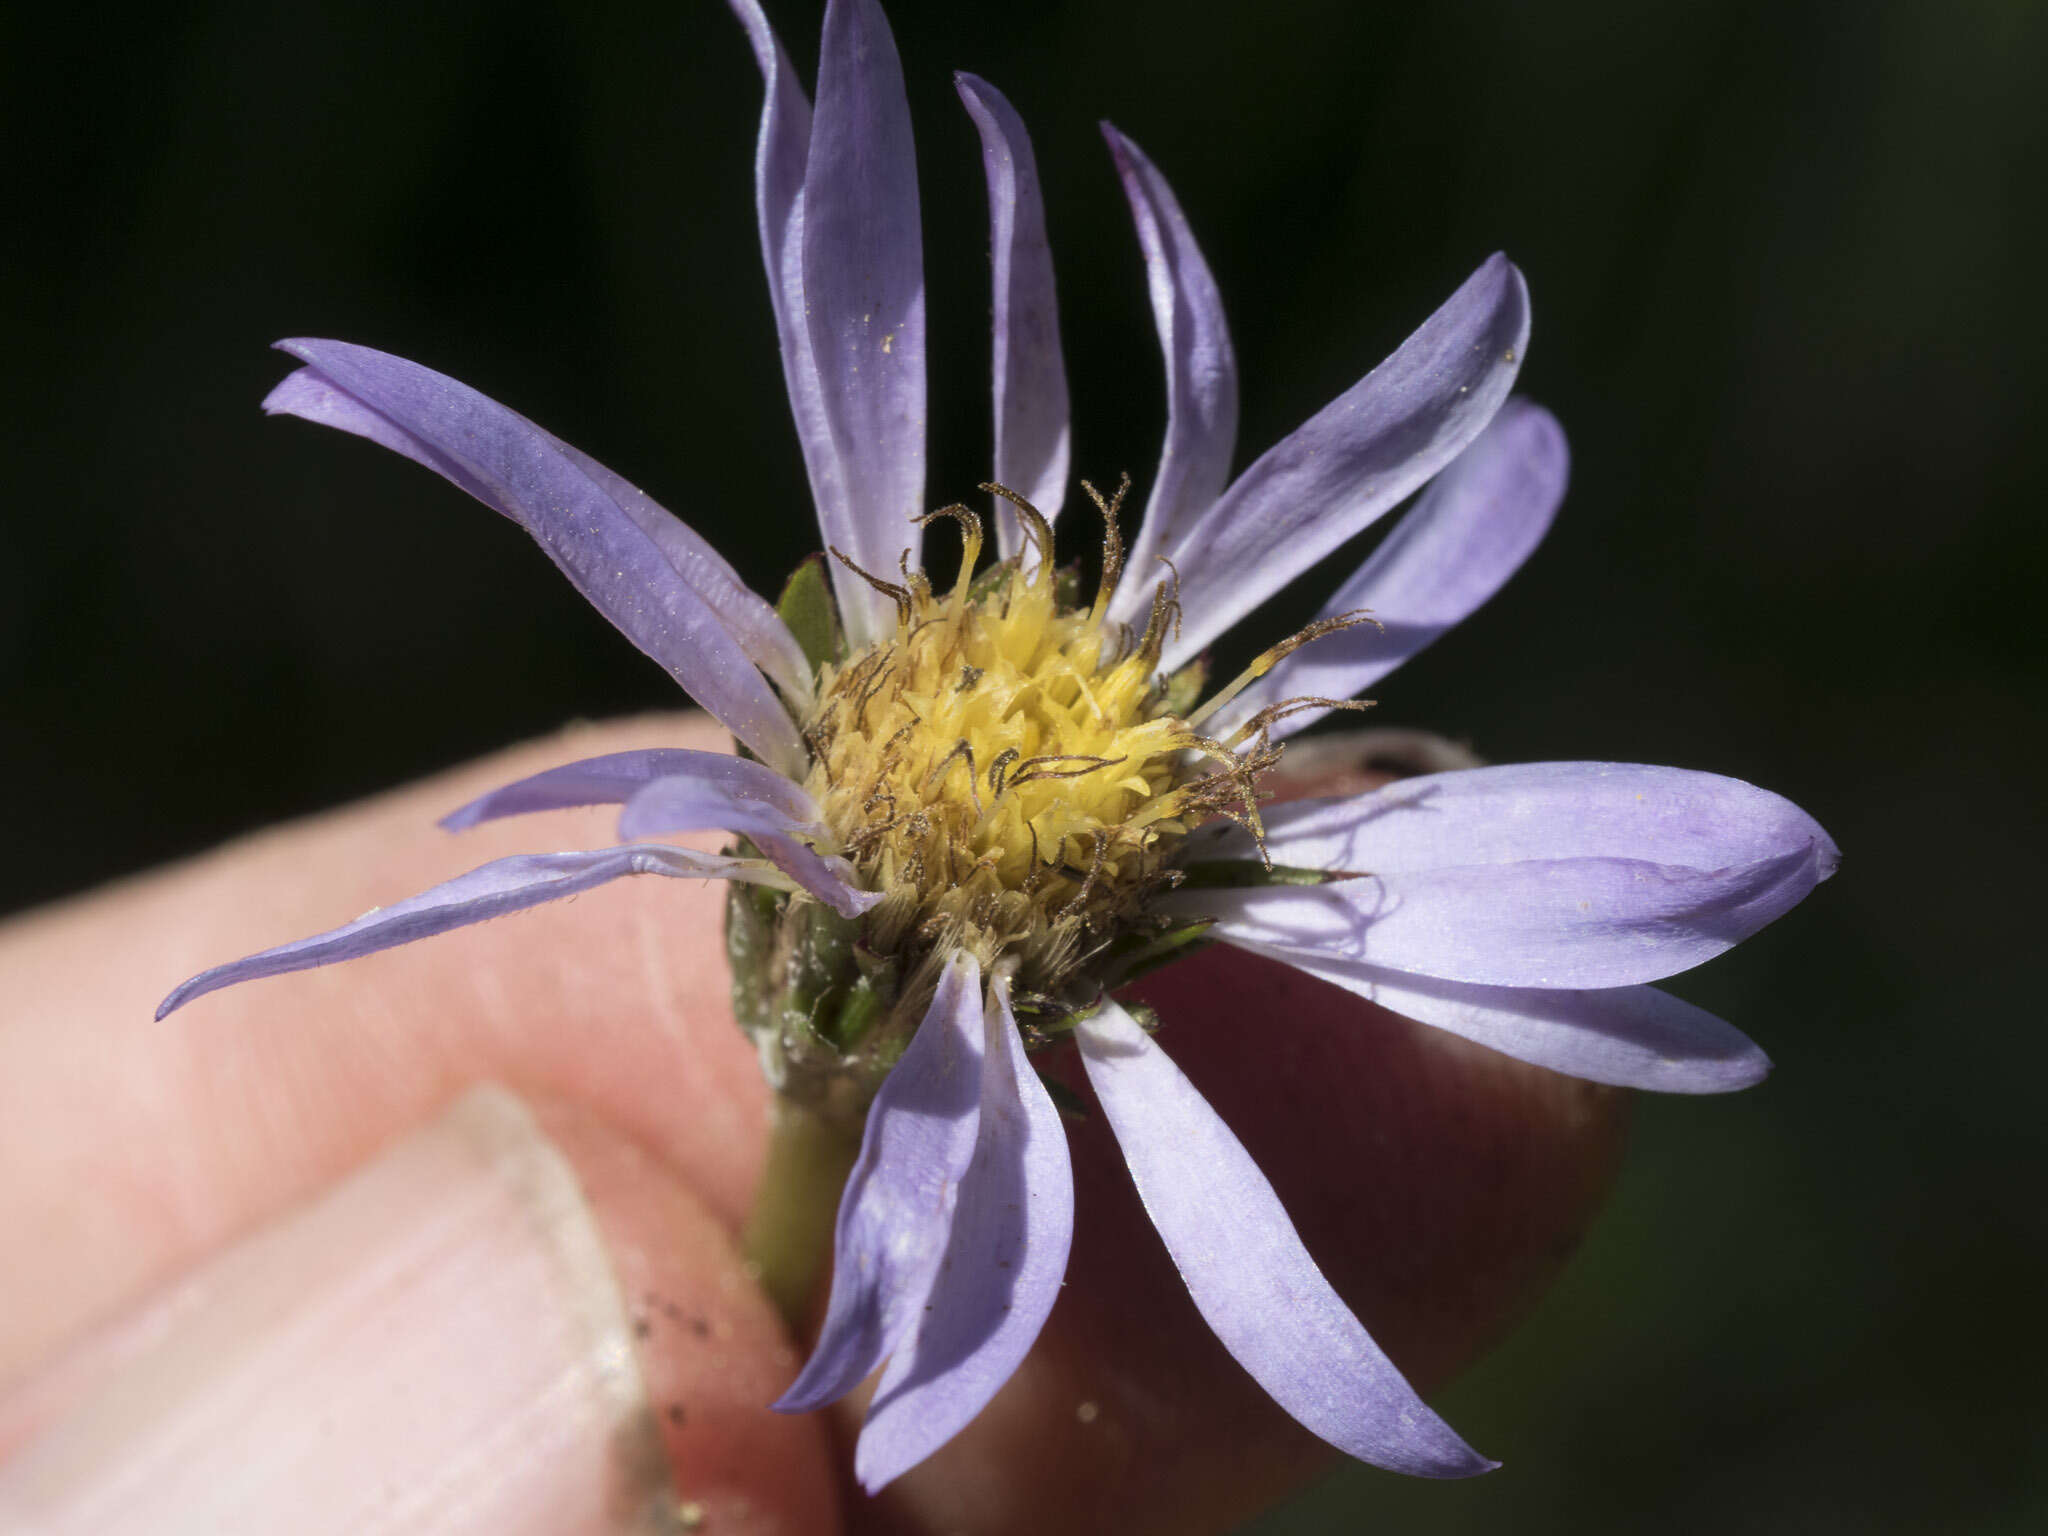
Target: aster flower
[[963, 819]]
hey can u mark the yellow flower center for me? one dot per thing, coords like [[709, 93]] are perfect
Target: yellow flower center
[[1009, 770]]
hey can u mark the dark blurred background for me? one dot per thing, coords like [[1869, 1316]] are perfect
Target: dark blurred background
[[1786, 267]]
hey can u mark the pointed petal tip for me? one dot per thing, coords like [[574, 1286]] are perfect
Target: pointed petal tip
[[1502, 270], [1006, 1258], [977, 94], [1827, 856], [307, 348], [1745, 1071], [872, 1478], [794, 1401], [1246, 1269], [278, 401], [874, 1469], [1508, 288], [895, 1215], [192, 988], [1449, 1463], [856, 902]]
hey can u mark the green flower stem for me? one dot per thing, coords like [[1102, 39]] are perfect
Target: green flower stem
[[788, 1235]]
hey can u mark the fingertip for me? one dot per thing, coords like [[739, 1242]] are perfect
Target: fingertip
[[712, 1350], [489, 1325]]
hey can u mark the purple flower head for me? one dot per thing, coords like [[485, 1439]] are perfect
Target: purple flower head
[[964, 818]]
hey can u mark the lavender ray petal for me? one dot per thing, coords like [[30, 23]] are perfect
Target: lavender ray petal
[[697, 803], [863, 287], [1004, 1264], [311, 394], [781, 153], [1574, 923], [897, 1212], [495, 889], [1353, 460], [1201, 377], [1519, 811], [1031, 426], [1470, 531], [1246, 1269], [1631, 1037], [750, 618], [617, 776], [515, 468]]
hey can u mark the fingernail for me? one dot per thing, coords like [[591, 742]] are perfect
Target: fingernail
[[437, 1343]]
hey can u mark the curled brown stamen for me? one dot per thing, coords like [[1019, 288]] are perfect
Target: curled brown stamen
[[1088, 880], [1112, 546], [970, 540], [899, 595], [1028, 772], [1029, 518], [920, 584], [1240, 774], [1266, 660], [1273, 714], [997, 769], [960, 749], [1165, 614], [860, 708]]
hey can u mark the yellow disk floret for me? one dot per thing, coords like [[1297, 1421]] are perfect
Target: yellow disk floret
[[1006, 768]]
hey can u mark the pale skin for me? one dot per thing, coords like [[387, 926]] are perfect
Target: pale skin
[[1439, 1185]]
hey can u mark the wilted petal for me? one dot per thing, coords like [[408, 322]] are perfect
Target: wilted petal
[[502, 886], [1031, 437], [1632, 1037], [1575, 923], [1201, 377], [1353, 460], [1470, 531], [1247, 1271], [617, 776], [1002, 1271], [518, 469], [897, 1212], [1522, 811], [863, 287], [693, 802]]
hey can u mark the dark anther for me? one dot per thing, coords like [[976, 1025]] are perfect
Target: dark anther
[[1028, 770], [1165, 613], [900, 595], [997, 769], [1241, 777], [960, 749], [1029, 518], [1094, 873], [1322, 627], [968, 519], [919, 583], [881, 829], [1112, 540], [1168, 563], [860, 709], [1273, 714]]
